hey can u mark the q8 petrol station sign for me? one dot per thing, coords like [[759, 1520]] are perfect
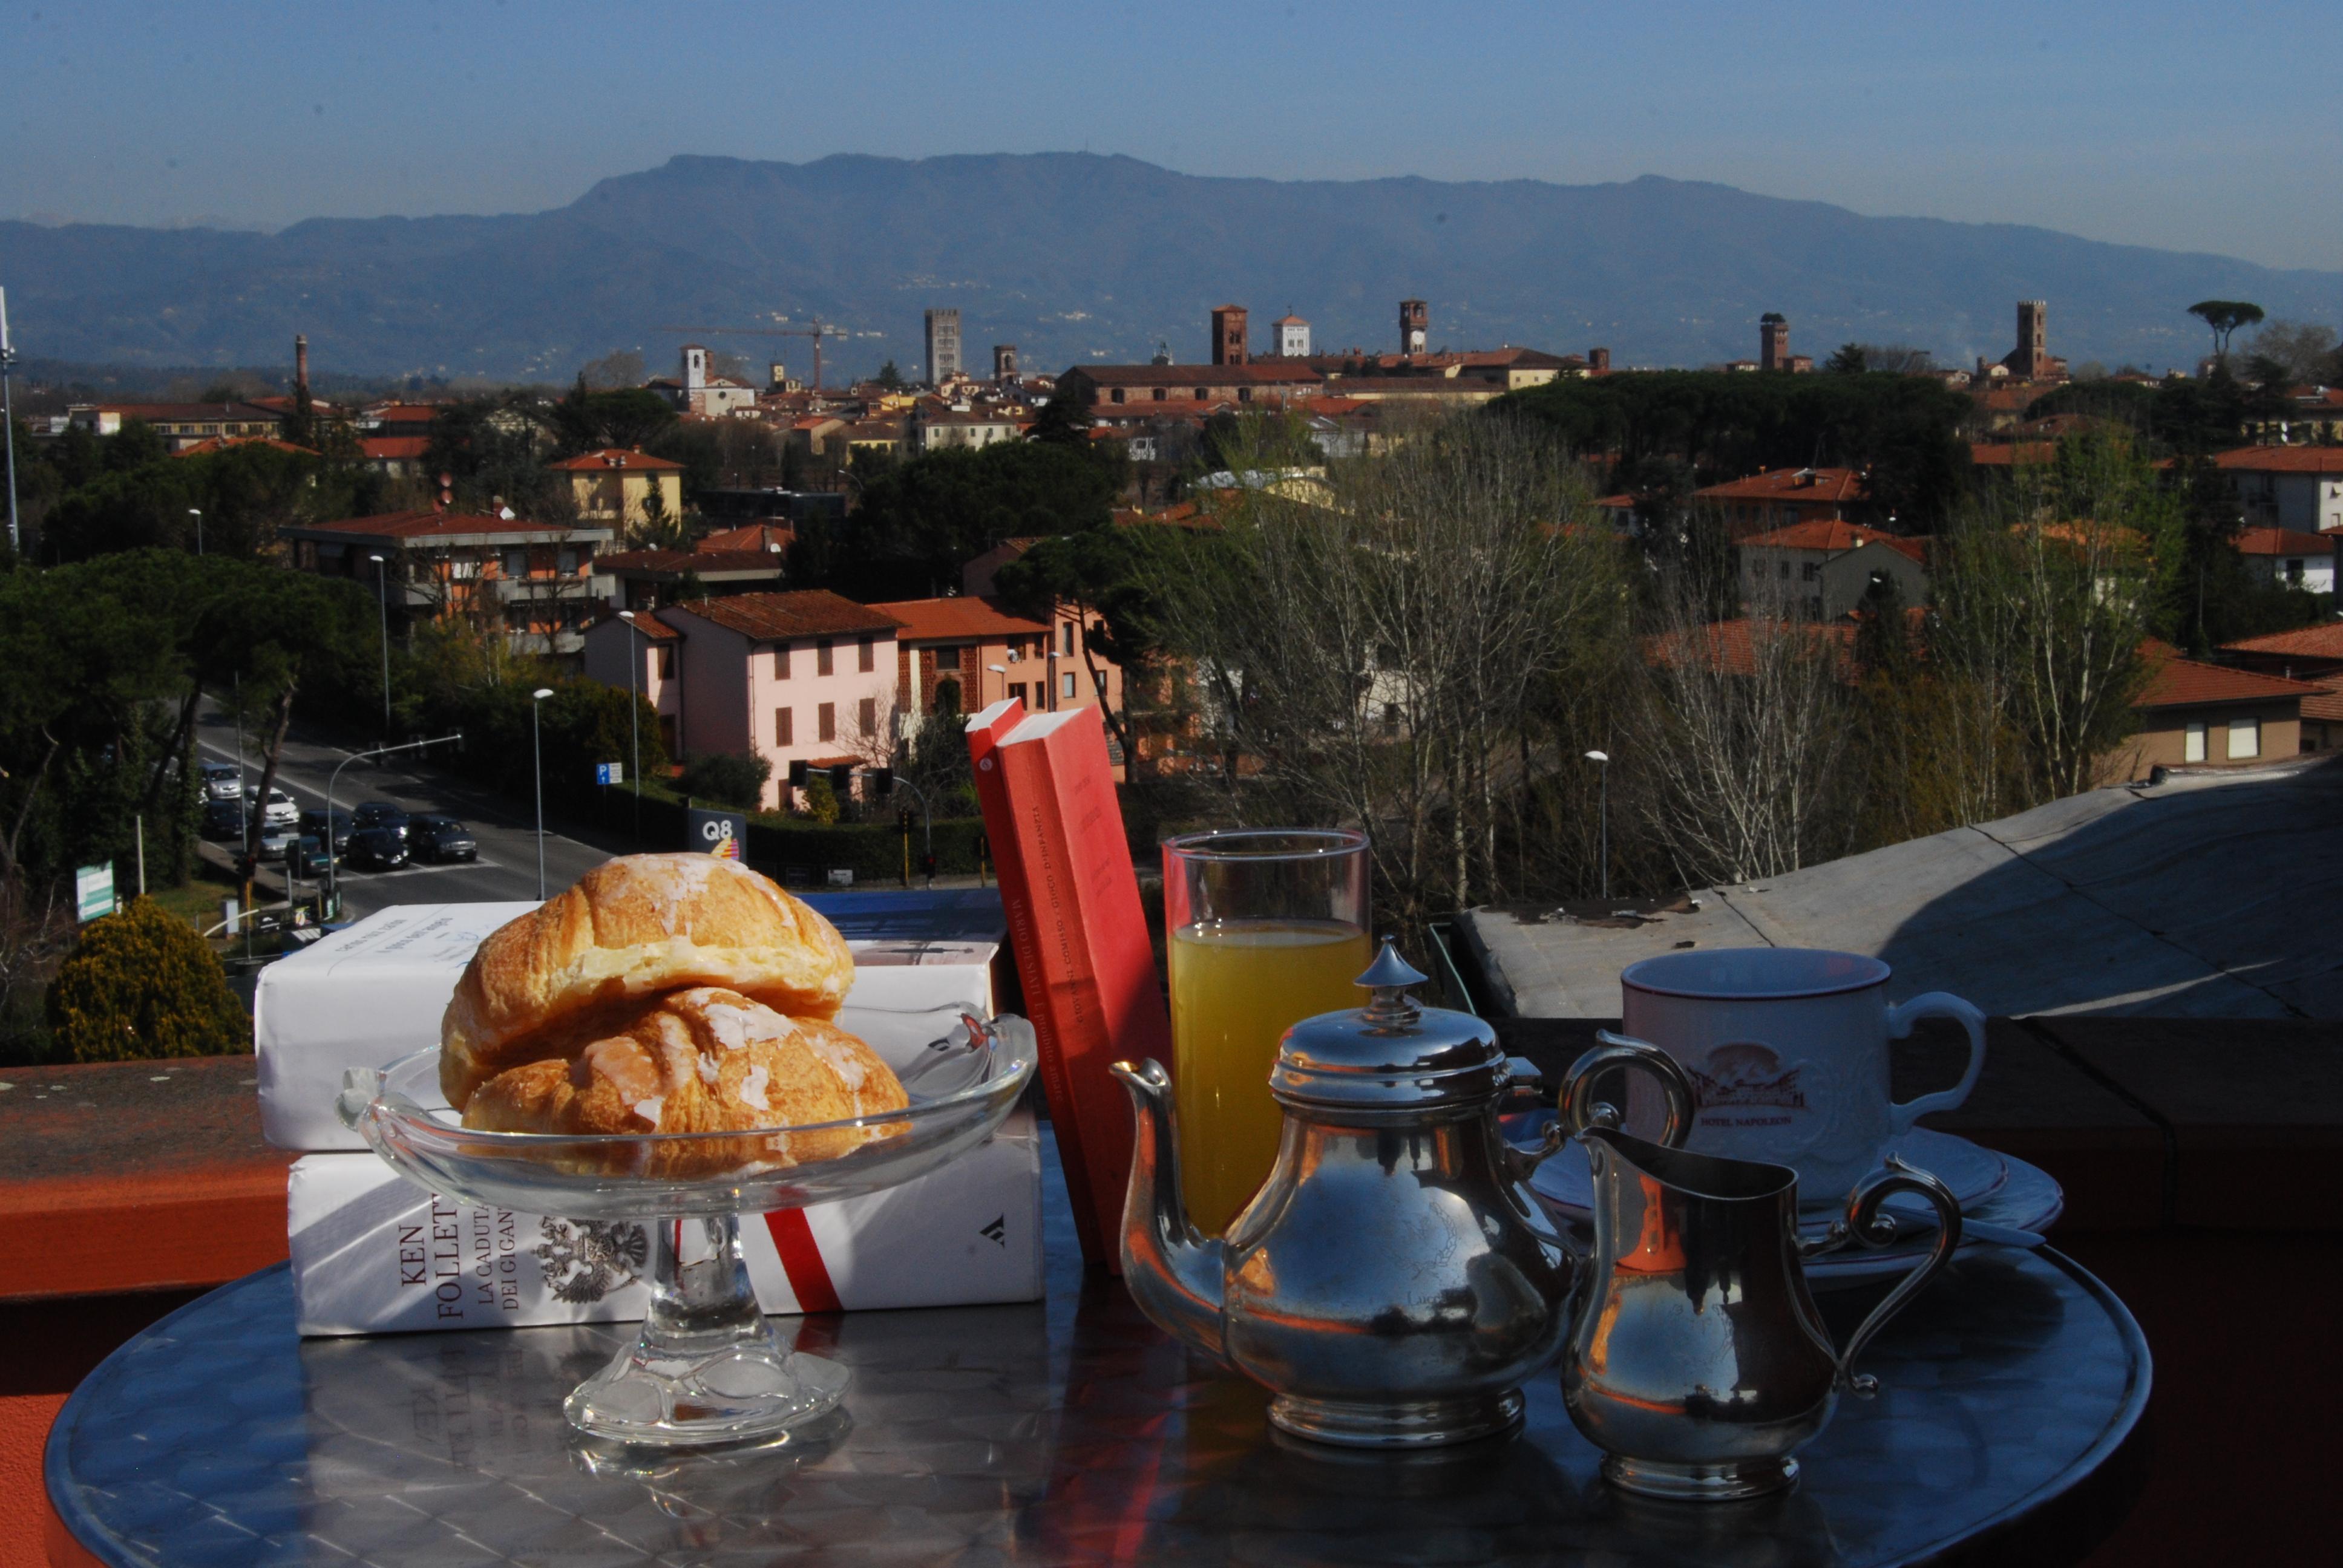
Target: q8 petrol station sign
[[722, 833]]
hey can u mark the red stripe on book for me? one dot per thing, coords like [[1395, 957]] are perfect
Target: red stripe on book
[[802, 1260]]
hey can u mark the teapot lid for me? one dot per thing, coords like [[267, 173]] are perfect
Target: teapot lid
[[1392, 1054]]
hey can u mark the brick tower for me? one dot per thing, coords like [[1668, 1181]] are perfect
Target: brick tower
[[1414, 326], [1773, 341], [1229, 335]]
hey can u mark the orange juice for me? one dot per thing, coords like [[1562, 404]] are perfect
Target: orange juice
[[1237, 986]]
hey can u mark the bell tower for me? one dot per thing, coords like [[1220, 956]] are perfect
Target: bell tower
[[1229, 335], [1414, 326]]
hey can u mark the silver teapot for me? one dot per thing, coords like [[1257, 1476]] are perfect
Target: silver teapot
[[1394, 1282]]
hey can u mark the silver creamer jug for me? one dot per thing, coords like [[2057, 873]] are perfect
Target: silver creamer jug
[[1394, 1282]]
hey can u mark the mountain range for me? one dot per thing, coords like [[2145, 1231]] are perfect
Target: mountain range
[[1079, 258]]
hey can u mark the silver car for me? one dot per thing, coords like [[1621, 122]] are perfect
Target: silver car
[[219, 780], [279, 813]]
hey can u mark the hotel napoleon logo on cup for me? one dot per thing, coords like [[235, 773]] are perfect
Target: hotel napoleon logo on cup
[[1788, 1049]]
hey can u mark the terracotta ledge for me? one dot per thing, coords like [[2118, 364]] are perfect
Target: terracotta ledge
[[135, 1176]]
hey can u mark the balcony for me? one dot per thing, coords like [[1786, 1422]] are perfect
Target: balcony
[[578, 589]]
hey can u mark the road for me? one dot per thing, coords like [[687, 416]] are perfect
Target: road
[[507, 867]]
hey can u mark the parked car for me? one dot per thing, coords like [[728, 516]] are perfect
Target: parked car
[[274, 839], [377, 848], [440, 838], [306, 857], [314, 824], [224, 821], [279, 811], [219, 780], [380, 814]]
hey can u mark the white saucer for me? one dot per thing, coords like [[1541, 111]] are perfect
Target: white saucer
[[1993, 1188], [1974, 1173]]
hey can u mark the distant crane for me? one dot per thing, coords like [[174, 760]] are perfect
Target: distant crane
[[816, 330]]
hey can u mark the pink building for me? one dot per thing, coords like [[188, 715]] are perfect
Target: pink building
[[793, 677]]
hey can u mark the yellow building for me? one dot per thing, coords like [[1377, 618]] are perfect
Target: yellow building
[[612, 486]]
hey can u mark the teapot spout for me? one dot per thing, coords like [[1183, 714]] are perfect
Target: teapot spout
[[1174, 1273]]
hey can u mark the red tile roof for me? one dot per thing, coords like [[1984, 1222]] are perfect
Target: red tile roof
[[616, 457], [428, 524], [1804, 486], [406, 413], [774, 616], [1730, 647], [385, 448], [181, 413], [2284, 542], [690, 561], [2010, 454], [773, 538], [2186, 683], [2282, 460], [963, 618], [2328, 706], [2324, 641], [650, 626], [222, 443], [1264, 373], [1831, 533]]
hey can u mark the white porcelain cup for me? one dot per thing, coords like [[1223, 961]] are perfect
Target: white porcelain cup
[[1787, 1048]]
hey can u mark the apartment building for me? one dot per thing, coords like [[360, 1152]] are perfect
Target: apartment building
[[797, 677], [541, 581]]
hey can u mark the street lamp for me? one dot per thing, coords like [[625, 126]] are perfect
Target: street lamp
[[1601, 760], [382, 601], [634, 715], [198, 513], [537, 766]]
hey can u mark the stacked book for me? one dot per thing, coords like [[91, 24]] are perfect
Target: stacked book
[[372, 1254]]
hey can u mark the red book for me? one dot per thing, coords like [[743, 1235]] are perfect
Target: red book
[[1080, 935]]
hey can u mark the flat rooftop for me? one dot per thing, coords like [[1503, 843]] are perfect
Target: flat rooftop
[[2208, 896]]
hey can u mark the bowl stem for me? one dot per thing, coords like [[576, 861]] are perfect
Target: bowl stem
[[707, 1367]]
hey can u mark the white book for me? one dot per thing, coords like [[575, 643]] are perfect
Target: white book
[[374, 1254]]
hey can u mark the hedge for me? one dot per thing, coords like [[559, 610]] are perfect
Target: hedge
[[793, 849]]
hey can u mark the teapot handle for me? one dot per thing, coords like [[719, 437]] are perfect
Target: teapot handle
[[1579, 1111], [1865, 1221]]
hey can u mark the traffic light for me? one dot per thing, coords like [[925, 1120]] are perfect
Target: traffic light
[[928, 865], [903, 818], [882, 780], [841, 780], [798, 774]]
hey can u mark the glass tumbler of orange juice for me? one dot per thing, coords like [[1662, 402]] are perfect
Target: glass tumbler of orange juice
[[1267, 927]]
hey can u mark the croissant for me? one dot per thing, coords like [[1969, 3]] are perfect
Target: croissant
[[631, 929], [706, 1059]]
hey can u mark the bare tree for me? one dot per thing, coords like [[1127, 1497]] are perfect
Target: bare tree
[[1376, 643], [1738, 739]]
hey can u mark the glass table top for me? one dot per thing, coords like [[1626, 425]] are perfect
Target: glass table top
[[1066, 1432]]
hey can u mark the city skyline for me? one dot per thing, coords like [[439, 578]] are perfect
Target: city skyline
[[2147, 126]]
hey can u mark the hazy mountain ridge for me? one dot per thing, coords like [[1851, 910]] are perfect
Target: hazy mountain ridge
[[1077, 258]]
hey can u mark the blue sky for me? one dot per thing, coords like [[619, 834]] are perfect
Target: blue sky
[[2188, 126]]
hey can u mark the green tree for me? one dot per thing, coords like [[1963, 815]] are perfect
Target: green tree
[[890, 379], [920, 520], [1104, 576], [141, 984], [821, 799], [589, 421], [2224, 316], [728, 777], [1848, 361], [1065, 419]]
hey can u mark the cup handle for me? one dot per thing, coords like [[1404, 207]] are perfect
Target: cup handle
[[1936, 1004], [1864, 1222], [1579, 1111]]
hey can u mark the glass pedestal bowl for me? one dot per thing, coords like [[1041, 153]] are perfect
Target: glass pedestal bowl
[[707, 1367]]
